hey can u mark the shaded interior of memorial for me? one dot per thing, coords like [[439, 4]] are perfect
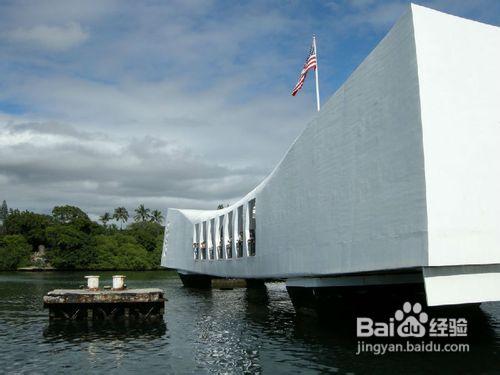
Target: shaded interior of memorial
[[234, 232]]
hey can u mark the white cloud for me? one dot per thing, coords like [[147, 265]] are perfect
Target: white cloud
[[57, 38], [44, 164]]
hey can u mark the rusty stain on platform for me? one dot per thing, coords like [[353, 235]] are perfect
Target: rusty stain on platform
[[103, 296]]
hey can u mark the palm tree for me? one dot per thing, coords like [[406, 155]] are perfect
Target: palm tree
[[121, 214], [141, 213], [156, 216], [105, 218]]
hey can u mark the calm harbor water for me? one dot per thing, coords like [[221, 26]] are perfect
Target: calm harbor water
[[210, 331]]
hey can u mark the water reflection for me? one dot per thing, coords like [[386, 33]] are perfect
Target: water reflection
[[222, 342], [104, 330], [328, 342]]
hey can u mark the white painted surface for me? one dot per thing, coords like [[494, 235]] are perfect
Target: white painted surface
[[118, 282], [246, 228], [397, 170], [455, 285], [217, 236], [358, 280], [209, 236], [92, 282], [459, 74], [225, 234]]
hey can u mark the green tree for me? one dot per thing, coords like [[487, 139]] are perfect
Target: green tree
[[142, 213], [14, 252], [156, 217], [69, 247], [155, 255], [220, 206], [4, 211], [74, 216], [120, 251], [146, 233], [69, 214], [121, 215], [105, 218], [112, 228], [30, 225]]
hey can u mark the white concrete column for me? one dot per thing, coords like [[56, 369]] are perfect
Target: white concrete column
[[217, 236], [209, 237], [235, 231], [195, 240], [246, 227], [225, 227]]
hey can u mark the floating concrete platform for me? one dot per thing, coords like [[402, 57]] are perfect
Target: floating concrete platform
[[88, 304]]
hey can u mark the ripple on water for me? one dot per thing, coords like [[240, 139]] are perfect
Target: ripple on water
[[209, 331]]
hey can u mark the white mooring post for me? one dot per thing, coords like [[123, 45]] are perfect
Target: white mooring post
[[118, 282], [92, 282]]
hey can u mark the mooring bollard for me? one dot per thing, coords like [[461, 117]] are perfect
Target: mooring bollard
[[92, 282], [118, 282]]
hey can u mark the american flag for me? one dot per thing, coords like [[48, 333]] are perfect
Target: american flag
[[311, 63]]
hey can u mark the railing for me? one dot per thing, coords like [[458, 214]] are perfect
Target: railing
[[200, 252]]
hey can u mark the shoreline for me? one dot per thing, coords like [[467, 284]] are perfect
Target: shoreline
[[51, 269]]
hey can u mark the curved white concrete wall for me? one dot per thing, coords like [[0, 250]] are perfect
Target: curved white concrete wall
[[351, 194]]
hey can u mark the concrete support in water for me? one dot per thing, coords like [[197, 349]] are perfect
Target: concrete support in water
[[355, 294], [228, 283], [255, 283], [194, 280]]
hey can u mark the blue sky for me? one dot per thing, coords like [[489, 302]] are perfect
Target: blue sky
[[169, 103]]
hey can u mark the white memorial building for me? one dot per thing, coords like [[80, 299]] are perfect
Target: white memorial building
[[395, 181]]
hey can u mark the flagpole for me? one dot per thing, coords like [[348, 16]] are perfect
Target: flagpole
[[316, 74]]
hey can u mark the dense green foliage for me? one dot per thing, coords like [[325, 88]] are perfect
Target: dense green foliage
[[28, 224], [120, 251], [73, 241], [69, 247], [14, 252]]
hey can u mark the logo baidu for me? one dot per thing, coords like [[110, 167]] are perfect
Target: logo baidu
[[411, 321]]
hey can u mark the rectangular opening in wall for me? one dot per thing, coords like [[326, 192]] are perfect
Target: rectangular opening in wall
[[196, 241], [252, 216], [203, 244], [230, 231], [239, 244]]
